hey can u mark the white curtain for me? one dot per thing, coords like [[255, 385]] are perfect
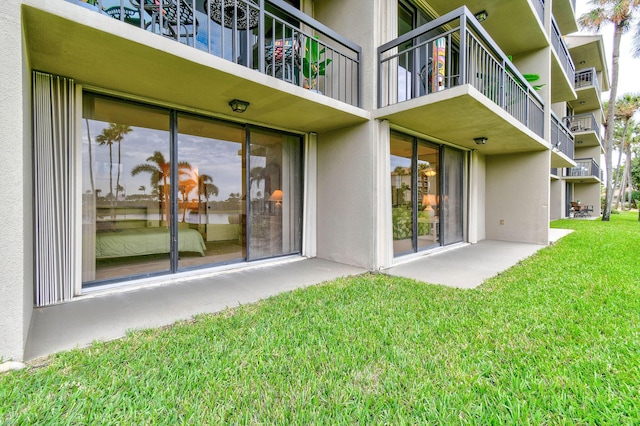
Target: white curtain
[[54, 189]]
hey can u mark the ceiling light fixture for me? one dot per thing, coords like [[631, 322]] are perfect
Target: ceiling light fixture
[[239, 106], [480, 141], [481, 16]]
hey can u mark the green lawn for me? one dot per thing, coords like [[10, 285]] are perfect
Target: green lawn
[[553, 340]]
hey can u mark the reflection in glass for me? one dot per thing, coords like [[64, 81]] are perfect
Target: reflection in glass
[[210, 188], [428, 195], [402, 193], [275, 192], [125, 176], [453, 192]]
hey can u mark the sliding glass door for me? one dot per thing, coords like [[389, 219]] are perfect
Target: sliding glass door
[[426, 194], [165, 191], [126, 157]]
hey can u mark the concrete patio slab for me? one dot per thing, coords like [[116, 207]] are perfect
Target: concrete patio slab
[[110, 315], [467, 266]]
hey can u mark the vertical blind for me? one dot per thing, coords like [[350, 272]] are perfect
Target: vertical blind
[[54, 171]]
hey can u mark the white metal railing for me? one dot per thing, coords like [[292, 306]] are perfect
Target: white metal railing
[[271, 37], [451, 51]]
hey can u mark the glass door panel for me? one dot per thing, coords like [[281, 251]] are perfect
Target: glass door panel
[[453, 196], [402, 193], [125, 189], [275, 194], [428, 195], [210, 191]]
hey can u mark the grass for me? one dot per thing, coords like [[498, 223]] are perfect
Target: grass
[[553, 340]]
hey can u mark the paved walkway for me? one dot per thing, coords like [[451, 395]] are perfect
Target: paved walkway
[[470, 265], [109, 315]]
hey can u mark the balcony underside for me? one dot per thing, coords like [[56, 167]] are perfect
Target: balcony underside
[[108, 54], [560, 160], [582, 179], [586, 139], [587, 52], [588, 100], [513, 25], [564, 14], [460, 114], [562, 87]]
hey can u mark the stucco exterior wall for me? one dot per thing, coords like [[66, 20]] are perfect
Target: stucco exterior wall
[[16, 291], [517, 197], [556, 196], [345, 196], [339, 15]]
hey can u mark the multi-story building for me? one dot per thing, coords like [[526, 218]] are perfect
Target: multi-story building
[[150, 138], [583, 128]]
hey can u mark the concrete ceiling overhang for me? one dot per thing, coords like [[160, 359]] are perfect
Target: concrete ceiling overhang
[[588, 100], [513, 24], [460, 114], [558, 160], [565, 16], [582, 179], [562, 87], [587, 51], [99, 51], [586, 139]]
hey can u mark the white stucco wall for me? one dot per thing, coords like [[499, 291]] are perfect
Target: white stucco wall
[[517, 201], [15, 170]]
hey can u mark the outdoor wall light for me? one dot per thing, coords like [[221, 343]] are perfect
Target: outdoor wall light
[[480, 141], [239, 106], [481, 16], [582, 62]]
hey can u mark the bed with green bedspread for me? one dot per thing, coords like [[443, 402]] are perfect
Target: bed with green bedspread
[[144, 241]]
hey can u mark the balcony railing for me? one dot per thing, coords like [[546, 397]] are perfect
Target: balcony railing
[[539, 7], [582, 123], [585, 167], [271, 37], [561, 137], [587, 78], [450, 51], [562, 51]]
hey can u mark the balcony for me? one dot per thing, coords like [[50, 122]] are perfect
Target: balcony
[[585, 129], [448, 79], [563, 70], [585, 171], [159, 63], [588, 91], [267, 36], [562, 143]]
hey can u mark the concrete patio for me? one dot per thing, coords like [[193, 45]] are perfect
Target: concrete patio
[[109, 315]]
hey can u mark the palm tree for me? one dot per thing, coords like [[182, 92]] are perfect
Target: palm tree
[[257, 174], [620, 13], [110, 135], [206, 188], [106, 138], [119, 130], [160, 171], [143, 189], [624, 109], [93, 188]]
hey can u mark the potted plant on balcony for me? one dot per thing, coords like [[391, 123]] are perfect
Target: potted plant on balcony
[[313, 63]]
